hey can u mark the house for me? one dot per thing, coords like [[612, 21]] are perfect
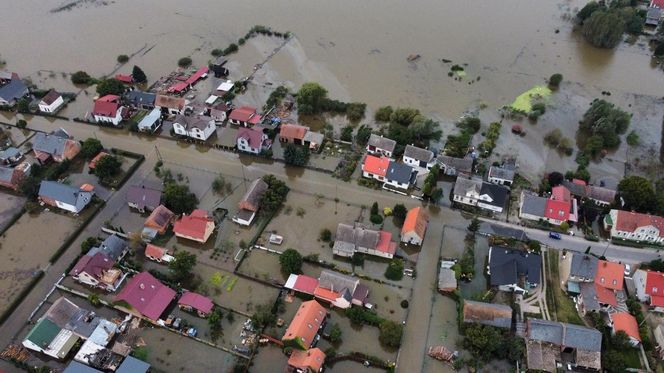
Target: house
[[550, 344], [561, 207], [143, 198], [108, 109], [244, 116], [303, 330], [340, 290], [12, 91], [302, 284], [292, 133], [649, 287], [196, 127], [146, 296], [198, 226], [252, 140], [634, 226], [600, 195], [10, 156], [133, 365], [250, 202], [625, 322], [501, 176], [124, 78], [418, 158], [414, 226], [475, 192], [93, 162], [157, 254], [399, 176], [314, 140], [151, 122], [309, 361], [63, 196], [514, 270], [380, 146], [595, 298], [160, 219], [48, 338], [170, 105], [582, 268], [11, 177], [610, 275], [56, 146], [497, 315], [76, 367], [140, 100], [51, 102], [225, 87], [219, 112], [358, 239], [653, 16], [96, 267], [375, 167], [190, 301], [453, 166]]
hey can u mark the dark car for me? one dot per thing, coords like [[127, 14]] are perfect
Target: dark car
[[555, 236]]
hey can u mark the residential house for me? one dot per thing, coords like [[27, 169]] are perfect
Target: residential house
[[475, 192], [144, 198], [64, 196], [170, 105], [399, 176], [453, 166], [219, 112], [501, 176], [225, 87], [314, 140], [375, 167], [160, 219], [11, 177], [653, 16], [414, 226], [194, 302], [447, 282], [634, 226], [595, 298], [302, 333], [108, 109], [181, 87], [48, 338], [244, 116], [151, 122], [582, 268], [292, 133], [96, 267], [196, 127], [625, 322], [514, 270], [340, 290], [561, 207], [380, 146], [309, 361], [252, 140], [649, 287], [51, 102], [497, 315], [158, 254], [358, 239], [56, 146], [12, 91], [76, 367], [550, 343], [133, 365], [600, 195], [302, 284], [10, 156], [610, 275], [140, 99], [420, 159], [197, 226], [250, 202], [147, 296]]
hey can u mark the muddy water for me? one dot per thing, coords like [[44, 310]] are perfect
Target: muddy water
[[357, 48]]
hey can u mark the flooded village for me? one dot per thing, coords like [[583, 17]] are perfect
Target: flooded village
[[342, 186]]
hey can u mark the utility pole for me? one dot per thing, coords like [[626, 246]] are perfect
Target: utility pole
[[156, 149], [244, 178]]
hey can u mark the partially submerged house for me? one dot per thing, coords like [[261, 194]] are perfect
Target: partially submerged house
[[250, 203], [158, 254], [108, 109], [140, 99], [453, 166], [51, 102], [475, 192], [375, 167], [144, 197], [399, 177], [252, 140], [292, 133], [514, 270], [10, 156], [97, 267], [160, 219], [12, 90], [170, 105], [245, 116], [197, 226], [11, 177], [196, 127], [501, 176], [560, 207], [151, 122], [309, 361], [56, 146], [340, 290], [146, 296], [414, 226], [351, 239], [497, 315], [634, 226], [303, 330], [380, 146], [64, 196], [420, 159], [194, 302]]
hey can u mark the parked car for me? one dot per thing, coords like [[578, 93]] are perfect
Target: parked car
[[176, 323], [192, 332], [628, 270], [555, 235]]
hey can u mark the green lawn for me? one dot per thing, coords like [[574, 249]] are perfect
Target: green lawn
[[631, 357], [561, 306]]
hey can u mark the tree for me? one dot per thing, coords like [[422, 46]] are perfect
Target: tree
[[214, 322], [23, 106], [274, 195], [184, 62], [383, 114], [555, 80], [335, 333], [362, 135], [555, 178], [179, 199], [603, 29], [404, 116], [374, 208], [138, 75], [399, 213], [94, 300], [107, 167], [290, 261], [474, 225], [633, 21], [182, 264], [470, 124], [110, 87], [659, 50], [482, 341], [91, 147], [218, 184], [29, 187], [390, 333], [347, 134], [394, 270], [637, 193], [632, 139], [613, 361], [81, 77], [376, 219], [296, 155], [88, 244], [263, 316], [436, 194], [310, 98], [587, 11], [325, 235], [534, 246], [355, 111], [21, 123], [123, 58]]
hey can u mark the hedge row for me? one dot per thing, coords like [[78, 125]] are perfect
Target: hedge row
[[24, 293]]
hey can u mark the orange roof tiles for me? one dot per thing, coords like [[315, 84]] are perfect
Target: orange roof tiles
[[623, 321], [311, 359], [416, 221], [375, 165], [293, 131], [154, 251], [610, 275], [630, 221], [306, 322]]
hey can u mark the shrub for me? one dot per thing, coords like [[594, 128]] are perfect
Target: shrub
[[555, 80], [325, 235], [21, 123], [394, 270], [184, 62], [123, 58], [632, 139], [355, 111], [404, 304], [376, 219], [81, 77], [390, 333], [347, 134], [383, 114], [217, 52]]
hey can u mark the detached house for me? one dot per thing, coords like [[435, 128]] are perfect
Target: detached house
[[147, 296], [453, 166], [10, 156], [340, 290], [414, 226], [244, 116], [107, 109], [561, 207], [194, 302], [380, 146], [51, 102], [475, 192], [198, 226], [96, 267], [399, 176], [303, 330], [140, 100], [170, 105], [12, 90], [634, 226], [11, 177], [501, 176], [158, 254], [196, 127], [63, 196], [375, 167], [56, 146], [358, 239], [292, 133], [418, 158], [514, 270], [159, 220], [144, 198], [309, 361], [625, 322], [252, 140], [250, 202], [649, 287]]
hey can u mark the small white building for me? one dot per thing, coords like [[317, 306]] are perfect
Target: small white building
[[418, 158], [196, 127], [150, 122], [252, 140], [107, 109], [51, 103], [500, 176], [400, 175], [380, 146], [473, 192]]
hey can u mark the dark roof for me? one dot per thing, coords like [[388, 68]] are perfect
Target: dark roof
[[564, 334], [133, 365], [583, 266], [336, 281], [589, 294], [63, 193], [140, 98], [506, 265], [199, 121], [361, 292], [13, 90], [50, 97], [498, 193], [498, 315], [601, 194], [54, 143], [399, 172], [143, 196], [252, 198], [459, 164], [533, 204], [418, 153], [113, 246], [76, 367], [501, 173], [574, 188], [381, 142]]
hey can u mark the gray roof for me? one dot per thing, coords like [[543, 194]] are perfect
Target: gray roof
[[501, 173], [589, 294], [200, 121], [136, 97], [344, 247], [654, 14], [64, 193], [150, 119], [574, 188], [361, 292], [564, 334], [143, 196], [133, 365], [399, 172], [498, 193], [252, 198], [507, 265], [5, 75], [366, 237], [6, 174], [76, 367], [13, 90], [314, 137], [345, 233], [53, 143], [447, 279], [532, 204], [113, 247], [347, 237], [419, 154], [601, 194], [498, 315], [583, 266], [381, 142], [336, 281], [10, 152], [459, 164], [463, 185]]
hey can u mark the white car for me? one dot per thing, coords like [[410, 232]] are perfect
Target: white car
[[628, 270]]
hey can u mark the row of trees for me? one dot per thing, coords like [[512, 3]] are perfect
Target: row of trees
[[604, 27], [108, 86], [312, 99]]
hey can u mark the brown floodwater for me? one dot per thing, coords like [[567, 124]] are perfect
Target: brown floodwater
[[358, 48]]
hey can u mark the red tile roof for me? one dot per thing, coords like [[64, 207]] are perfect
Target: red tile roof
[[93, 162], [605, 296], [630, 221], [154, 251], [177, 87], [627, 323], [326, 294], [94, 265], [292, 131], [306, 284], [385, 243], [169, 102], [253, 135], [196, 301], [416, 221], [579, 182], [193, 225], [197, 75], [309, 361], [305, 323], [147, 295], [560, 193], [106, 106], [558, 210], [242, 114], [375, 165], [655, 284], [124, 78], [160, 218], [610, 275], [657, 4]]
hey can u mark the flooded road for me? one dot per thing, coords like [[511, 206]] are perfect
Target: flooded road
[[357, 49]]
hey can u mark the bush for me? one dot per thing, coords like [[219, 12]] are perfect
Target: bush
[[355, 111], [81, 77], [390, 333], [604, 29], [555, 80], [21, 123], [470, 124], [347, 134], [394, 270], [184, 62], [383, 114], [291, 262], [217, 53], [325, 235], [376, 219], [110, 87], [632, 139], [404, 304], [91, 147], [123, 58], [335, 334]]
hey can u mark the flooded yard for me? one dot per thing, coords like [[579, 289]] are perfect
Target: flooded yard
[[443, 330], [362, 339], [264, 265], [10, 205]]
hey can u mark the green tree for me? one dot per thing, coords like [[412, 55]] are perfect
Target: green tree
[[594, 146], [218, 184], [325, 235], [29, 187], [436, 194], [81, 77], [606, 121], [470, 124], [290, 261], [107, 167], [633, 21], [474, 225], [91, 147], [355, 111], [613, 361], [310, 98], [362, 135], [374, 209], [94, 300], [603, 29], [555, 80], [296, 155], [275, 194], [638, 193], [335, 333], [390, 333], [404, 116], [23, 106], [263, 316], [21, 123], [347, 133], [587, 11], [88, 244], [138, 75], [179, 199], [383, 114], [110, 87], [376, 219], [182, 264], [632, 139], [399, 213], [184, 62], [214, 322], [482, 341], [394, 270], [123, 58]]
